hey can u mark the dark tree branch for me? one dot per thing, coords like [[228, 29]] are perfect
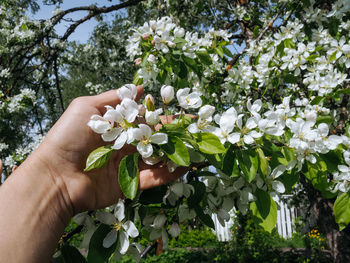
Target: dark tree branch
[[55, 68], [262, 33], [93, 11]]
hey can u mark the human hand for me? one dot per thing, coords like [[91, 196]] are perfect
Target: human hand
[[67, 145]]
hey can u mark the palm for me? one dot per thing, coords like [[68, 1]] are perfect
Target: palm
[[72, 140]]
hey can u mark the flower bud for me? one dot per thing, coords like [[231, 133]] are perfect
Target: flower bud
[[179, 32], [142, 110], [138, 61], [171, 44], [151, 58], [311, 116], [167, 93], [152, 117], [149, 102], [145, 36]]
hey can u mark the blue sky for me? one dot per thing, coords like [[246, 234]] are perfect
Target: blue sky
[[83, 32]]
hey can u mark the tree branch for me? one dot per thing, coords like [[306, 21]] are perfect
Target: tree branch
[[93, 11]]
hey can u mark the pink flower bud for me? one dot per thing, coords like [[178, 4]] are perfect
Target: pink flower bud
[[145, 36], [142, 110], [138, 61]]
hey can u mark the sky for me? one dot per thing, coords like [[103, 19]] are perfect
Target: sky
[[83, 31]]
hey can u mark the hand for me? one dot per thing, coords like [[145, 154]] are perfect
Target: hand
[[67, 145]]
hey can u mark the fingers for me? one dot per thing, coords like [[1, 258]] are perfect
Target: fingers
[[152, 177], [14, 168], [111, 98]]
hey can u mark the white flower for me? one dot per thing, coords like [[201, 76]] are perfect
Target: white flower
[[177, 190], [152, 117], [127, 91], [188, 100], [88, 222], [127, 112], [174, 230], [185, 213], [278, 186], [144, 135], [151, 58], [203, 124], [179, 32], [105, 125], [167, 93], [123, 229], [227, 122]]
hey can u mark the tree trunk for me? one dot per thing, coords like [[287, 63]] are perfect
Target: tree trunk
[[322, 210]]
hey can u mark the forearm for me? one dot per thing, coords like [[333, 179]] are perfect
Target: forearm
[[34, 212]]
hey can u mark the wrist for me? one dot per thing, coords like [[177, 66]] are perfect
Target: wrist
[[49, 185]]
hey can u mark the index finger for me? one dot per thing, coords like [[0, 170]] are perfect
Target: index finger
[[111, 98]]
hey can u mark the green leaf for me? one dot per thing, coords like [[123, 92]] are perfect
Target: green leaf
[[192, 64], [324, 119], [153, 196], [219, 51], [209, 143], [128, 175], [137, 80], [333, 26], [162, 76], [97, 252], [24, 27], [227, 52], [312, 58], [199, 193], [230, 166], [177, 151], [263, 163], [269, 218], [256, 31], [342, 210], [98, 158], [343, 91], [249, 163], [72, 255], [215, 160], [179, 40], [333, 56], [289, 78], [204, 57], [289, 43], [317, 100], [204, 218], [183, 71]]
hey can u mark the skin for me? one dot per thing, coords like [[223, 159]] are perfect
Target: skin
[[40, 197]]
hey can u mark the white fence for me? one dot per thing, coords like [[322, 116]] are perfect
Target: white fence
[[285, 220]]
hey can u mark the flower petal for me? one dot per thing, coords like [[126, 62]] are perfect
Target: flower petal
[[123, 242], [119, 210], [159, 138], [110, 239], [105, 217], [278, 186], [120, 141], [130, 229], [111, 134], [146, 150], [234, 137], [146, 130]]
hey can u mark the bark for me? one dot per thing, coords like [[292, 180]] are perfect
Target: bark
[[322, 210]]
